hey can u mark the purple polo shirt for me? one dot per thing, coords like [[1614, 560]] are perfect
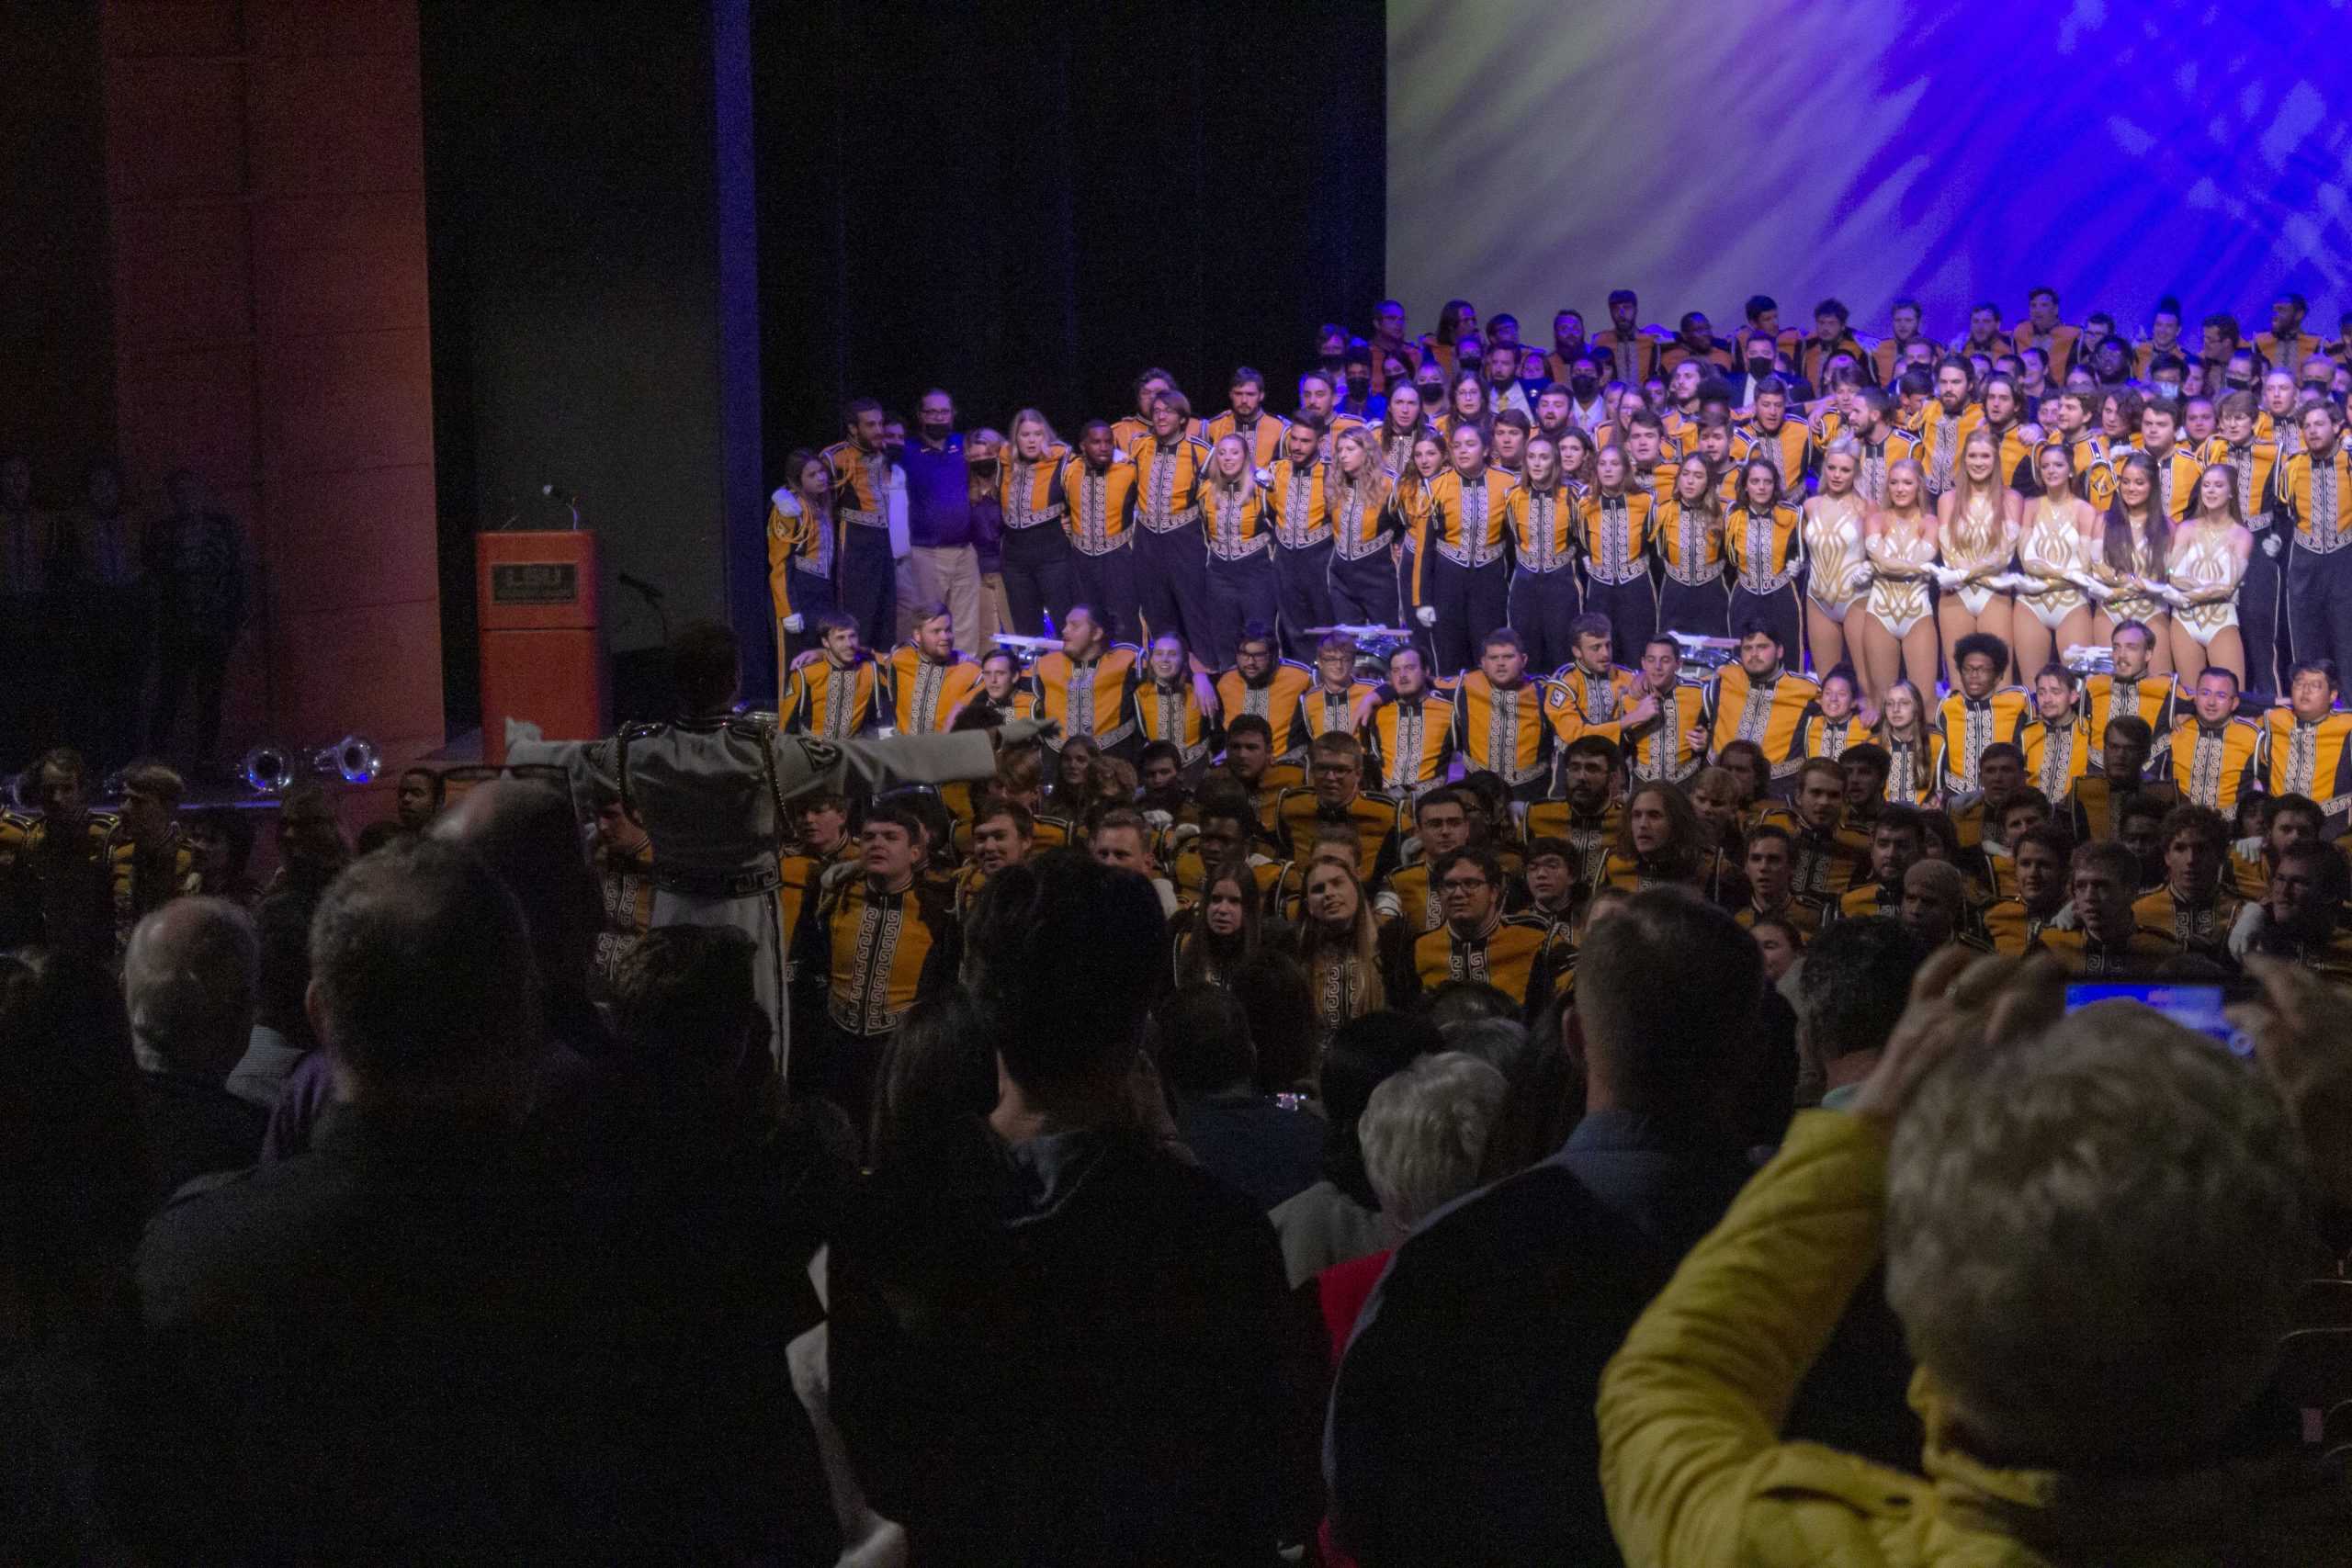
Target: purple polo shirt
[[939, 493]]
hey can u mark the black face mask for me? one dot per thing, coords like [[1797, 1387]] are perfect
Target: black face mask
[[1584, 387], [1433, 394], [1359, 385], [984, 465], [2238, 386], [1760, 368]]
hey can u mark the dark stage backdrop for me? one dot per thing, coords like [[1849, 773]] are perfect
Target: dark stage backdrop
[[1027, 201], [1024, 202]]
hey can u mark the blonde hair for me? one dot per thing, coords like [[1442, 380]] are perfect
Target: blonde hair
[[1213, 476], [1360, 942], [1012, 433], [2095, 1238], [1424, 1131], [1371, 483], [1964, 492]]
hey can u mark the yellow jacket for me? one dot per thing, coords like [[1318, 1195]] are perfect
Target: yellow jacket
[[1694, 1472]]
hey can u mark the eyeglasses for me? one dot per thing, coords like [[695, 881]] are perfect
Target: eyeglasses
[[1463, 885]]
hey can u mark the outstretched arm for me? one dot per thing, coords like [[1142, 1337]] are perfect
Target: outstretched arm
[[804, 762]]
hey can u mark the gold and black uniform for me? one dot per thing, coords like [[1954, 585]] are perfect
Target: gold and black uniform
[[833, 703], [923, 692], [1518, 954], [1376, 819], [1411, 741]]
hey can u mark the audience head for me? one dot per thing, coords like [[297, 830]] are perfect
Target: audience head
[[1935, 896], [1424, 1133], [1666, 1051], [691, 1033], [75, 1176], [704, 660], [418, 909], [1028, 919], [937, 1072], [1854, 986], [1200, 1041], [526, 835], [189, 979], [2093, 1238], [1363, 1053]]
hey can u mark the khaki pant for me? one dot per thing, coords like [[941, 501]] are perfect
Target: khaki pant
[[996, 607], [950, 575]]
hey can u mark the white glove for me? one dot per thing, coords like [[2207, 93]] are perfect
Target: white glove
[[2252, 920], [794, 623], [522, 729], [1015, 732], [1159, 820], [2064, 920], [1425, 614], [1263, 476]]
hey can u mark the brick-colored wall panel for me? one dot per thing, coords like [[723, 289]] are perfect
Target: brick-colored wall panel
[[182, 276], [351, 400], [325, 125], [339, 263], [346, 540]]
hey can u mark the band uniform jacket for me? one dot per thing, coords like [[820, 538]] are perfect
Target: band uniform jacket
[[1323, 710], [1591, 835], [2310, 760], [1173, 713], [924, 693], [1412, 741], [2213, 764], [1274, 698], [1376, 818], [1098, 506], [1263, 437], [1502, 730], [867, 957], [2056, 757], [2106, 697], [1091, 698], [1519, 955], [1581, 703], [1740, 707], [832, 702], [1661, 750], [1967, 725]]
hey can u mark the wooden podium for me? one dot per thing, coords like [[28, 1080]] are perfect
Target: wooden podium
[[542, 639]]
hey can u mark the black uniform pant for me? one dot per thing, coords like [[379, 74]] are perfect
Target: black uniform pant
[[1695, 609], [1632, 609], [1363, 593], [812, 596], [1039, 580], [2319, 605], [2258, 604], [1778, 610], [1543, 607], [1304, 577], [867, 578], [1239, 593], [1471, 601], [1108, 582], [1172, 590], [193, 661]]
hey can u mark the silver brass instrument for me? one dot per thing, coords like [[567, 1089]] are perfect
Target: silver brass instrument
[[272, 767], [1702, 656], [268, 769], [351, 757]]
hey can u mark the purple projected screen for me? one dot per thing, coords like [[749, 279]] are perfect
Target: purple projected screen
[[1540, 154]]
